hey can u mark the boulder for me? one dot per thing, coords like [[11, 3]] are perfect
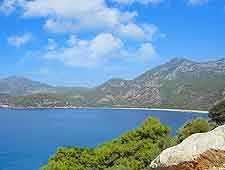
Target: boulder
[[202, 151]]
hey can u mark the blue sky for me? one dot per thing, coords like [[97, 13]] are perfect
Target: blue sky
[[84, 43]]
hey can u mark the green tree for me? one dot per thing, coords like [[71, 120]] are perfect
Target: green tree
[[198, 125], [217, 113], [132, 151]]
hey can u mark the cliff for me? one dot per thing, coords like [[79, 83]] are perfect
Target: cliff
[[203, 151]]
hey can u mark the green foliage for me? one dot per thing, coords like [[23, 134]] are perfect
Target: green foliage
[[192, 90], [198, 125], [180, 83], [217, 113], [45, 100], [132, 151]]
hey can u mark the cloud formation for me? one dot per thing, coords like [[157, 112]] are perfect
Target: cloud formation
[[98, 51], [138, 32], [70, 15], [19, 40], [86, 53], [115, 34], [8, 6]]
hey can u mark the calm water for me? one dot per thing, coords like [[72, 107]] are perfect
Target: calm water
[[29, 137]]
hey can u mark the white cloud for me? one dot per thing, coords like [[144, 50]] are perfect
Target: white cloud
[[94, 16], [89, 22], [87, 53], [144, 2], [61, 25], [146, 51], [134, 31], [98, 51], [111, 27], [19, 40], [70, 15], [8, 6], [197, 2], [143, 53], [131, 30]]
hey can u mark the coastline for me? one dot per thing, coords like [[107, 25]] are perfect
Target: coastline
[[181, 110], [159, 109], [113, 108]]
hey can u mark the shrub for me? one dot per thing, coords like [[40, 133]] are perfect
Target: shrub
[[198, 125], [134, 151], [217, 113]]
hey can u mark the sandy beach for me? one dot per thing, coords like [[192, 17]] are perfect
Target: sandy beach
[[155, 109], [118, 108]]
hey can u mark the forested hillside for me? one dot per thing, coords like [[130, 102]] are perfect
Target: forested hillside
[[180, 83]]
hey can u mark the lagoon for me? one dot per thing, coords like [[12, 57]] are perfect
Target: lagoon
[[28, 137]]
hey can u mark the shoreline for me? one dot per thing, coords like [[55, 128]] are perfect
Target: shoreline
[[159, 109], [112, 108]]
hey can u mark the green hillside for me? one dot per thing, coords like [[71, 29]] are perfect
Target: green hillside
[[180, 83]]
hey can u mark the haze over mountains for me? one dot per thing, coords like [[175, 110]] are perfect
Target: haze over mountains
[[180, 83]]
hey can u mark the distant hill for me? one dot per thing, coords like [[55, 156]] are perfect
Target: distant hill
[[4, 99], [180, 83], [16, 86], [21, 86]]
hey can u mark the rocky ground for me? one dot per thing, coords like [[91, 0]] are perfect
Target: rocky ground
[[204, 151], [210, 160]]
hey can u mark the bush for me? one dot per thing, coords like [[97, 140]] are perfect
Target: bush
[[133, 151], [217, 113], [198, 125]]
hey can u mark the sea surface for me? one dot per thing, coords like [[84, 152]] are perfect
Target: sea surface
[[29, 137]]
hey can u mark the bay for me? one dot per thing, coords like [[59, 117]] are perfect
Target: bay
[[28, 137]]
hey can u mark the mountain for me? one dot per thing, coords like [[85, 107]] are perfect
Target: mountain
[[179, 83], [16, 86]]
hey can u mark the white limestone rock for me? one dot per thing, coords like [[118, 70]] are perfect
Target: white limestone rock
[[191, 148]]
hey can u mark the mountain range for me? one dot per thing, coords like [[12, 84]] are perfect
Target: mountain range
[[179, 83]]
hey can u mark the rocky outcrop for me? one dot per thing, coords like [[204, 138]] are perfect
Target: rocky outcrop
[[205, 151]]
